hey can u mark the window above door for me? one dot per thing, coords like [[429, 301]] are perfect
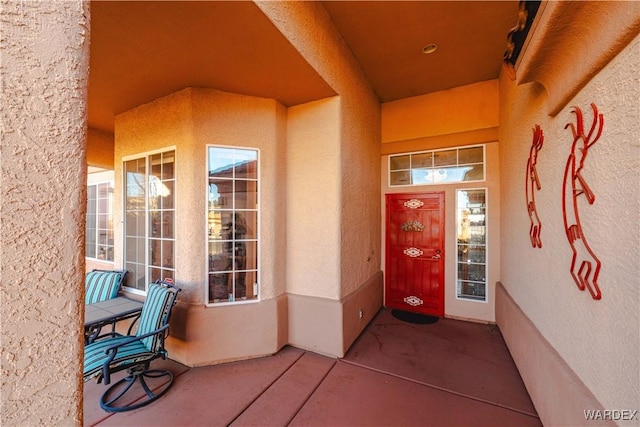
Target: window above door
[[433, 167]]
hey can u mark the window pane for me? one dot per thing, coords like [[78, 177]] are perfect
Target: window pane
[[471, 253], [470, 290], [246, 162], [168, 159], [400, 178], [472, 272], [156, 166], [470, 155], [422, 160], [246, 225], [167, 225], [221, 162], [454, 174], [90, 247], [167, 254], [218, 259], [246, 194], [422, 176], [445, 158], [399, 162], [167, 196], [474, 173], [155, 252], [220, 193], [222, 225], [155, 226], [219, 286], [250, 261]]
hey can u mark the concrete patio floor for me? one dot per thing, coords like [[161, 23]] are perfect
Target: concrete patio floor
[[450, 373]]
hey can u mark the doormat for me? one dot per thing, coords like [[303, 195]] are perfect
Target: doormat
[[417, 318]]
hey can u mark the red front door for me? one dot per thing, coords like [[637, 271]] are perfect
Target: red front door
[[415, 253]]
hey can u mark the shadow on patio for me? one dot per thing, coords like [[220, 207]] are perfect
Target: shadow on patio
[[396, 374]]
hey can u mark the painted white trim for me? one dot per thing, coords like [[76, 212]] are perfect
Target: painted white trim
[[207, 303], [486, 246]]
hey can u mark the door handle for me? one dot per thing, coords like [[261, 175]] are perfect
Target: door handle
[[436, 256]]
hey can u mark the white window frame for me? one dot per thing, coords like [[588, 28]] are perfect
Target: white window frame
[[458, 148], [97, 213], [486, 247], [256, 286], [147, 155]]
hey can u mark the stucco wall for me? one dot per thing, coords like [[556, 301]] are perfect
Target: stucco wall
[[44, 73], [349, 124], [100, 146], [454, 111], [189, 120], [313, 191], [599, 340], [439, 120]]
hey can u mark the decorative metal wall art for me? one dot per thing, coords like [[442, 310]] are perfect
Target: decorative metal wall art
[[532, 185], [585, 265], [412, 226]]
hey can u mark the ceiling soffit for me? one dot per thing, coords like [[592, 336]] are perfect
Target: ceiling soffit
[[141, 51], [387, 38]]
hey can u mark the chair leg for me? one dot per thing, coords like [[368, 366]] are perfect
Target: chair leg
[[120, 388]]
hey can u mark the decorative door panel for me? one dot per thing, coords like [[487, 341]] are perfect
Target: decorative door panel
[[415, 253]]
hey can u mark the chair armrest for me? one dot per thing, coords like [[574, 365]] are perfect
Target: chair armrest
[[133, 339], [112, 351]]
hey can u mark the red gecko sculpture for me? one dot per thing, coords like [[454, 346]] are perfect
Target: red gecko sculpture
[[585, 266], [532, 185]]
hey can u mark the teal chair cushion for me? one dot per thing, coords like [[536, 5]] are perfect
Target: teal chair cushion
[[155, 313], [154, 316], [95, 356], [101, 286]]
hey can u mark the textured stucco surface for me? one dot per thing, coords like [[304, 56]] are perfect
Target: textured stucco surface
[[353, 128], [189, 120], [447, 112], [44, 77], [571, 45], [309, 28], [100, 149], [599, 340]]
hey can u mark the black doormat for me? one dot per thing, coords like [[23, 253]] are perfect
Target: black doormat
[[420, 319]]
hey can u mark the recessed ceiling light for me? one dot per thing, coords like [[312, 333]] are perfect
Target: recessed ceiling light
[[430, 48]]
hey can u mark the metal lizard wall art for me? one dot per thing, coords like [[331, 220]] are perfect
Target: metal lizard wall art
[[585, 265], [532, 184]]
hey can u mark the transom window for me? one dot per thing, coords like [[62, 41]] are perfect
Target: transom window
[[232, 225], [462, 164], [99, 229], [149, 220]]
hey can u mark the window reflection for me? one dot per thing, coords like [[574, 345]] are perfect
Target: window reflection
[[232, 224]]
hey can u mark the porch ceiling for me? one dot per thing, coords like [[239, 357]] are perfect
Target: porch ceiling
[[144, 50]]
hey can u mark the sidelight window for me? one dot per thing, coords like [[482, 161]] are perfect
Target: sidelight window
[[471, 221]]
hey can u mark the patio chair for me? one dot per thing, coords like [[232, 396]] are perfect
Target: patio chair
[[101, 285], [114, 352]]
